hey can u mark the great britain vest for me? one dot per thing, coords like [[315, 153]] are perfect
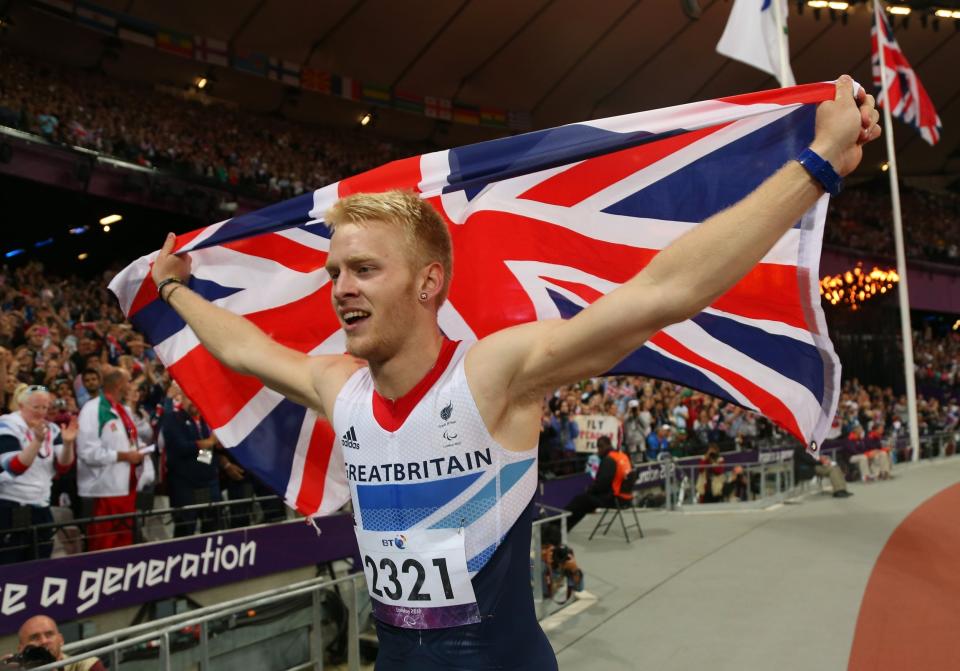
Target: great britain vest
[[427, 463]]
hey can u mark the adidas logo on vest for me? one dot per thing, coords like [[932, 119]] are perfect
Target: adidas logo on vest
[[349, 439]]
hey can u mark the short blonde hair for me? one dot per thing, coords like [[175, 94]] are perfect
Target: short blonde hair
[[424, 230]]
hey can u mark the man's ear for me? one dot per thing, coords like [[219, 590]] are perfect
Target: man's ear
[[431, 279]]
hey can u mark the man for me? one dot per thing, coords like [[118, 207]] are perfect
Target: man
[[633, 437], [459, 424], [806, 466], [190, 467], [108, 456], [89, 386], [614, 466], [33, 451], [658, 443], [41, 631]]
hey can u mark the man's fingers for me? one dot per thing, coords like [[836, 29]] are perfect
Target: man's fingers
[[844, 88], [168, 244]]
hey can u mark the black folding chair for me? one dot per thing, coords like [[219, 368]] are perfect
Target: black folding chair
[[616, 511]]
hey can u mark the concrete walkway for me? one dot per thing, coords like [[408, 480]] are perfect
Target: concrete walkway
[[778, 589]]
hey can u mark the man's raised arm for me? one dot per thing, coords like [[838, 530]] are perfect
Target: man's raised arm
[[685, 277], [238, 343]]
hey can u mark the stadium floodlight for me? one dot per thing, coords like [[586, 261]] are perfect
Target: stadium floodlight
[[902, 10], [79, 230], [106, 229], [201, 83], [818, 4], [367, 118], [81, 256], [43, 243], [839, 6], [14, 252], [110, 219]]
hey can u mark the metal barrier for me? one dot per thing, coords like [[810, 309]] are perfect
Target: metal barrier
[[138, 520], [767, 480], [158, 632]]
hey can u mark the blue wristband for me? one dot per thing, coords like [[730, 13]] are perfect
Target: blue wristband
[[821, 170]]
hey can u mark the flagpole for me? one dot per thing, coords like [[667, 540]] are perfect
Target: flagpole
[[784, 65], [902, 293]]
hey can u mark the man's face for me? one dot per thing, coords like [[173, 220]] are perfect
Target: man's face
[[374, 293], [36, 337], [42, 632], [135, 346], [91, 382]]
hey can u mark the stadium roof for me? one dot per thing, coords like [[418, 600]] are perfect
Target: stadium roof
[[561, 60]]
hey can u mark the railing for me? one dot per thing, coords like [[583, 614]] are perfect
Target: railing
[[137, 519], [158, 633], [767, 480]]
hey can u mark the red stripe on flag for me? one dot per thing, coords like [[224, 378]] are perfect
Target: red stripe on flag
[[585, 179], [401, 174], [768, 404], [315, 466], [302, 324], [587, 293], [146, 294], [219, 392], [490, 239], [283, 250], [805, 93], [184, 239]]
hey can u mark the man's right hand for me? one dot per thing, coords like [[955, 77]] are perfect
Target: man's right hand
[[130, 456], [168, 265]]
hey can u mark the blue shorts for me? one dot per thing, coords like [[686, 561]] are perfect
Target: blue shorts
[[508, 637]]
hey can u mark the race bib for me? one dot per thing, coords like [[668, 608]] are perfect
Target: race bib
[[418, 579]]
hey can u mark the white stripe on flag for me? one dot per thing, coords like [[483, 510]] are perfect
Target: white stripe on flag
[[248, 418]]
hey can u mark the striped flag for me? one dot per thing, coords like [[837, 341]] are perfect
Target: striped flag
[[345, 87], [752, 36], [909, 101], [139, 32], [251, 62], [376, 95], [315, 80], [542, 225], [175, 43], [96, 17]]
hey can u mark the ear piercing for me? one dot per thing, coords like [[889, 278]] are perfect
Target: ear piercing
[[423, 295]]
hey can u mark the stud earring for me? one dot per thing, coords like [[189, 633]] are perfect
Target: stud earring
[[423, 295]]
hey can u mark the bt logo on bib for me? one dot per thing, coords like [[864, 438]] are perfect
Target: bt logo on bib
[[400, 542]]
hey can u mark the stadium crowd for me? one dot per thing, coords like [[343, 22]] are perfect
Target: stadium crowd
[[265, 155], [274, 158]]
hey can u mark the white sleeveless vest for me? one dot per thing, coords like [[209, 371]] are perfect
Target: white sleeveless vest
[[439, 469]]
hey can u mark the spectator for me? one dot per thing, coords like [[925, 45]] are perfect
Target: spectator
[[710, 480], [33, 452], [89, 387], [565, 429], [737, 488], [108, 456], [614, 467], [190, 467], [41, 631], [633, 433], [806, 467], [658, 443]]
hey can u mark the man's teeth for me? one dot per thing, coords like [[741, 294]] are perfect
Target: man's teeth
[[354, 315]]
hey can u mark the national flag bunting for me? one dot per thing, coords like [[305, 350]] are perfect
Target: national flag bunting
[[408, 102], [210, 50], [908, 99], [376, 95], [438, 108], [251, 62], [134, 30], [315, 80], [542, 225], [287, 72], [175, 43], [98, 18], [345, 87]]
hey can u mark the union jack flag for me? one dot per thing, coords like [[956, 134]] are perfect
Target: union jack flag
[[542, 224], [908, 99]]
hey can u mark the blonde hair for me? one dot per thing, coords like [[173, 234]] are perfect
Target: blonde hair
[[424, 230]]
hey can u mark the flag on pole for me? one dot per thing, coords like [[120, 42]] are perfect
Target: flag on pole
[[909, 101], [542, 225], [755, 36]]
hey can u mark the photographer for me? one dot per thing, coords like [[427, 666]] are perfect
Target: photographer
[[710, 476], [40, 642], [566, 429], [633, 433]]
